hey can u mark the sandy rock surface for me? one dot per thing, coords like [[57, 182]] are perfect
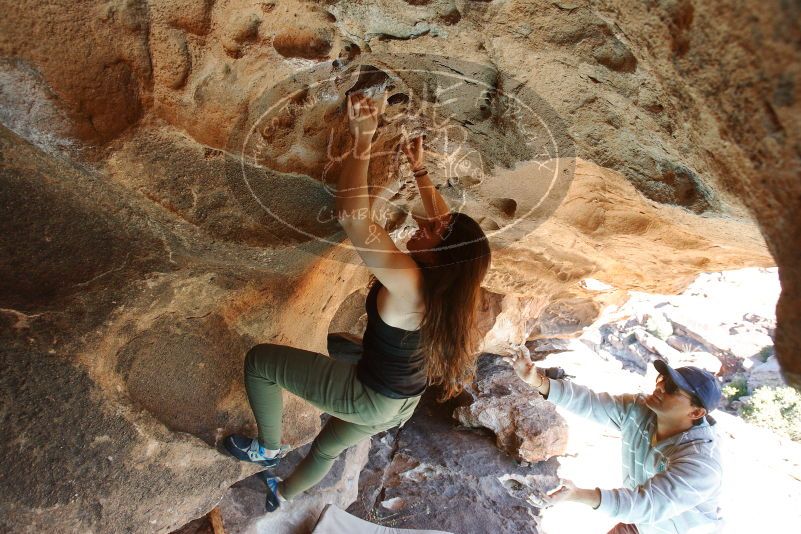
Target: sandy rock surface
[[122, 357], [166, 171]]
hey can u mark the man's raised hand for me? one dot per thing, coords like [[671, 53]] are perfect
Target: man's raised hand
[[525, 368]]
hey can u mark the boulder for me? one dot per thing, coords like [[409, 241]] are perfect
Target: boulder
[[525, 425], [432, 474], [766, 374], [656, 345], [146, 341], [658, 325], [701, 359]]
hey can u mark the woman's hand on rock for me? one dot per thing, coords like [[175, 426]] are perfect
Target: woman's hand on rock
[[362, 117], [414, 152]]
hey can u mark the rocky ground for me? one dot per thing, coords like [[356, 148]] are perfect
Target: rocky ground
[[432, 473]]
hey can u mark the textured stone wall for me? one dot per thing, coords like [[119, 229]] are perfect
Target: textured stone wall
[[141, 254]]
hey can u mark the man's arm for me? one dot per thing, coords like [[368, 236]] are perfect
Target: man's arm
[[603, 408], [687, 482], [690, 479], [569, 492]]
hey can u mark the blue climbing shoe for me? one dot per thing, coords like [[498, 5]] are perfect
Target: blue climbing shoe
[[274, 498], [250, 450]]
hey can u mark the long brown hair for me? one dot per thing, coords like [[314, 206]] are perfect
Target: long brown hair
[[452, 292]]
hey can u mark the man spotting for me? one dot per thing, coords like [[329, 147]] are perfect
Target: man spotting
[[671, 460]]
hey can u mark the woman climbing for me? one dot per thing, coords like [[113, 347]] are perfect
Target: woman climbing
[[421, 312]]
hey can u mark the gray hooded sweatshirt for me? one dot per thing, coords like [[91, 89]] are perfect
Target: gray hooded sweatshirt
[[670, 486]]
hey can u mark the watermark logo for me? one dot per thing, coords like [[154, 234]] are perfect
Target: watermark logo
[[493, 148]]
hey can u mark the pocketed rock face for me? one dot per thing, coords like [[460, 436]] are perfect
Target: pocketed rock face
[[122, 358], [92, 55], [525, 425], [134, 259], [431, 474], [604, 231]]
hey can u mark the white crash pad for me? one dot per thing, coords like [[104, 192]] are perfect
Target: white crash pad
[[336, 521]]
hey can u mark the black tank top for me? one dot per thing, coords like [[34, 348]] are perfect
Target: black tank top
[[390, 363]]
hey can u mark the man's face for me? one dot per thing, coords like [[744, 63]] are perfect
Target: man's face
[[667, 400]]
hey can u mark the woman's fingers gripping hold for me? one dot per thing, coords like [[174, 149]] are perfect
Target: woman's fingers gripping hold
[[414, 151], [362, 116]]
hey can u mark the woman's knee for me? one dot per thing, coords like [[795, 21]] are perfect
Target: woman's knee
[[258, 357], [335, 437], [325, 452]]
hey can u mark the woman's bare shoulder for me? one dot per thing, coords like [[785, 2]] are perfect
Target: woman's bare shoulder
[[400, 310]]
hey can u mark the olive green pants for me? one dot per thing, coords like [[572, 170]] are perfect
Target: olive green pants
[[357, 411]]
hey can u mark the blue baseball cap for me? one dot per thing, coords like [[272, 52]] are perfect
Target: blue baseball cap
[[695, 381]]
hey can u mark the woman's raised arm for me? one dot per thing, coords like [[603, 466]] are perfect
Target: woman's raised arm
[[394, 269], [434, 204]]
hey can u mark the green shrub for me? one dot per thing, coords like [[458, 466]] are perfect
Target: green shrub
[[735, 389], [778, 409], [765, 353]]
